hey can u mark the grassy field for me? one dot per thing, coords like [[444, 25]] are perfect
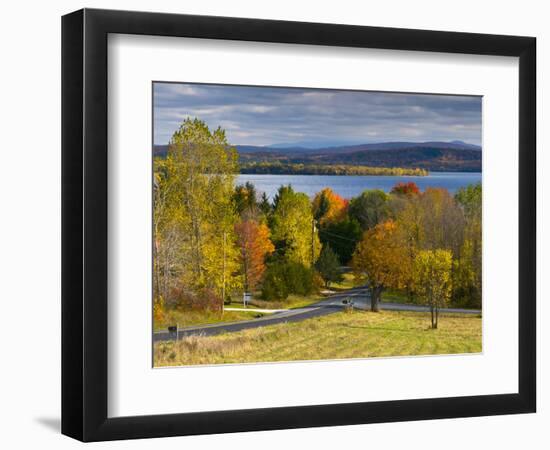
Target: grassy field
[[394, 297], [337, 336], [292, 302], [190, 318]]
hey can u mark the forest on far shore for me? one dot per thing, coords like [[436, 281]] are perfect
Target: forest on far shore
[[279, 168]]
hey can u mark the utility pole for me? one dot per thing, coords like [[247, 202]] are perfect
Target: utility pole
[[223, 279], [312, 242]]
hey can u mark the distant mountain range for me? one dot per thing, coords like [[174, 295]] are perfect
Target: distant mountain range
[[451, 156]]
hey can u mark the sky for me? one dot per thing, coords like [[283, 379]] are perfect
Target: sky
[[254, 115]]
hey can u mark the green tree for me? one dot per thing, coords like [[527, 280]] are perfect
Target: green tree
[[328, 266], [245, 199], [370, 208], [264, 205], [469, 198], [342, 237], [467, 281], [292, 227], [433, 281], [287, 277]]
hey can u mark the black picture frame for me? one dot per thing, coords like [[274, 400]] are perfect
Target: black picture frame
[[84, 224]]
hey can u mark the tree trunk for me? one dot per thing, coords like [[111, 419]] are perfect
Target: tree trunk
[[410, 294], [432, 312], [376, 293], [436, 316]]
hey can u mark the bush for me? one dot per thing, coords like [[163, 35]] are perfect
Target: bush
[[284, 278], [203, 300], [158, 310], [228, 300], [274, 286], [299, 279]]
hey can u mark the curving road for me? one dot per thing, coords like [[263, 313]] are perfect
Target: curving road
[[330, 305]]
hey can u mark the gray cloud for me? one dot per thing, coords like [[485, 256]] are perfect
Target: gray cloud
[[266, 115]]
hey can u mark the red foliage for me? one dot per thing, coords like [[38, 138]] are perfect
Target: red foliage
[[253, 240], [409, 188]]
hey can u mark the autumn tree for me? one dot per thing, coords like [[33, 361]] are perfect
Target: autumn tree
[[441, 220], [380, 260], [328, 207], [254, 244], [405, 188], [167, 237], [370, 208], [467, 274], [432, 270], [408, 213], [194, 214], [328, 266], [293, 229]]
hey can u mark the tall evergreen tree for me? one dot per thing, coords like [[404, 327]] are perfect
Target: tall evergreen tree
[[328, 266]]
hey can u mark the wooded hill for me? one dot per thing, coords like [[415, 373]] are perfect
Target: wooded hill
[[453, 156]]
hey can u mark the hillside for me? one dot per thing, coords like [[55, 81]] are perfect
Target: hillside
[[453, 156]]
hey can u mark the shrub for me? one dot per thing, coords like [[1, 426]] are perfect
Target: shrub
[[284, 278], [274, 286], [299, 278], [203, 300], [227, 300], [158, 310], [328, 266]]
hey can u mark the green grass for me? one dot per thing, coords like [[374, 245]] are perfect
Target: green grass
[[348, 282], [337, 336], [191, 318], [395, 297], [292, 302]]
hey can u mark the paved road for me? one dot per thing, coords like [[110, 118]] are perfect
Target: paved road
[[329, 305]]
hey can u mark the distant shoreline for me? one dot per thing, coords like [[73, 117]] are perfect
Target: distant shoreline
[[277, 168]]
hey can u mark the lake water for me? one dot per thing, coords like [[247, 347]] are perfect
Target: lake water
[[351, 186]]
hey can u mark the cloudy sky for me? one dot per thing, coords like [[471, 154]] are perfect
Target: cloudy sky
[[315, 117]]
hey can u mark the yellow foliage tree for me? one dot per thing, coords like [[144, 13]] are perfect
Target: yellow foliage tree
[[194, 214], [293, 229], [432, 274]]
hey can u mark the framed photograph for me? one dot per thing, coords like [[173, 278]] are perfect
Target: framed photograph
[[273, 225]]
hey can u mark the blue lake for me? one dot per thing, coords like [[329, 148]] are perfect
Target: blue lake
[[351, 186]]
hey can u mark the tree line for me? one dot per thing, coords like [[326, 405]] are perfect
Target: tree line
[[280, 168], [213, 239]]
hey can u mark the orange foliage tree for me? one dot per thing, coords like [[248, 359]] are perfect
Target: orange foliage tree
[[328, 206], [381, 260], [255, 244]]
